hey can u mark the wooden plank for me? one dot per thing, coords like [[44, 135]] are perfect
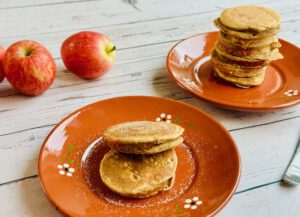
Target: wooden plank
[[151, 31], [276, 200], [4, 4], [266, 151], [105, 13], [26, 199], [20, 152], [62, 17]]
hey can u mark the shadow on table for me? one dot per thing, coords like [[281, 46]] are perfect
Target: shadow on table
[[286, 185]]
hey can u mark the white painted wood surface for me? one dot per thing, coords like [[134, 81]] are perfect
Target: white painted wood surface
[[143, 33]]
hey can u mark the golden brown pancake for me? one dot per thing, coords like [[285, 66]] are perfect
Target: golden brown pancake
[[146, 148], [138, 176], [250, 43], [141, 132], [256, 53], [235, 70], [247, 43], [239, 62], [245, 34], [273, 55], [239, 81], [250, 18]]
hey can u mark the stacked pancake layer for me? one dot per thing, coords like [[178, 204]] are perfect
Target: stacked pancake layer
[[142, 161], [247, 43]]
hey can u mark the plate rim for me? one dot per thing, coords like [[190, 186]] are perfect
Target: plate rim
[[235, 146], [217, 102]]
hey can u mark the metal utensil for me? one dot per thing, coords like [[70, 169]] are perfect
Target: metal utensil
[[292, 174]]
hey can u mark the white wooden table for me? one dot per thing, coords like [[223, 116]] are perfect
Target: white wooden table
[[143, 31]]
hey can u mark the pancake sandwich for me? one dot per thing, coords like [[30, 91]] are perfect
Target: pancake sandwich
[[247, 43], [142, 160]]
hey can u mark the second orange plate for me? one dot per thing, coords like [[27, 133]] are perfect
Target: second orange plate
[[188, 63]]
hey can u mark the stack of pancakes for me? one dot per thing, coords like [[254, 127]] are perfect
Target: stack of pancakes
[[142, 161], [247, 43]]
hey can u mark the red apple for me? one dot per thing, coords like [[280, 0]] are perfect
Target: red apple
[[2, 75], [29, 67], [88, 54]]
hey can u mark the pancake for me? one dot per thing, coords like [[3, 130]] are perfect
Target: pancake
[[245, 34], [273, 55], [250, 43], [247, 43], [138, 176], [238, 61], [244, 82], [146, 148], [250, 18], [234, 70], [259, 53], [141, 132]]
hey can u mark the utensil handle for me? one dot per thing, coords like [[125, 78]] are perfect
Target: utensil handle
[[292, 174]]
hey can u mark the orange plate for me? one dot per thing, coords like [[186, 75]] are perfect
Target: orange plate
[[188, 63], [208, 169]]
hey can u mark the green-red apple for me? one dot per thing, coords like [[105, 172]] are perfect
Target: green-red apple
[[88, 54], [29, 67]]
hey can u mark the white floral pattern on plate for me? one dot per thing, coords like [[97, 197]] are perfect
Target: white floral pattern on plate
[[65, 169], [164, 118], [192, 203], [291, 92]]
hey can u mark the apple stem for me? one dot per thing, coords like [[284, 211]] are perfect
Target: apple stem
[[28, 52], [112, 49]]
